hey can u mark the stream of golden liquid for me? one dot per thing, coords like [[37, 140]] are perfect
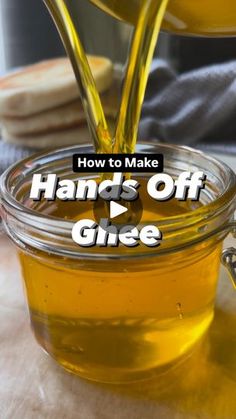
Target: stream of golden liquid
[[89, 95], [147, 16], [145, 36], [142, 49]]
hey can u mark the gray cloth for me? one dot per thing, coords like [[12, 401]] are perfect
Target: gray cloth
[[10, 154], [196, 108], [191, 107]]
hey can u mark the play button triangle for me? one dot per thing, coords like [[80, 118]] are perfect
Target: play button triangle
[[116, 209]]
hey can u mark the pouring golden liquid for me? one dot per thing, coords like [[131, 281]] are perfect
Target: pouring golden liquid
[[117, 320], [145, 36], [184, 16]]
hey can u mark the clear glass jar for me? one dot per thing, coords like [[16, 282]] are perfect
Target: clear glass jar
[[118, 315]]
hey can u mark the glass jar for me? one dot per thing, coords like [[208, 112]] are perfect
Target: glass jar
[[117, 315]]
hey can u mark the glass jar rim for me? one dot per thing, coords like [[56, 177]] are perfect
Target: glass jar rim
[[222, 207]]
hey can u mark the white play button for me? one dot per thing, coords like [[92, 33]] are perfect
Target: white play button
[[116, 209]]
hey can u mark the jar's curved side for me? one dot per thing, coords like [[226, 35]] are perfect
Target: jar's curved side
[[53, 235], [228, 260]]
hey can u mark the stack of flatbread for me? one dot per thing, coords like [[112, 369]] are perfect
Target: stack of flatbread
[[40, 105]]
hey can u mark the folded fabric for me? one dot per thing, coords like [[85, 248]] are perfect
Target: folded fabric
[[9, 154], [190, 107]]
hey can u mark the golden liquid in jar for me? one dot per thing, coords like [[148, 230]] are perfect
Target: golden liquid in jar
[[117, 320]]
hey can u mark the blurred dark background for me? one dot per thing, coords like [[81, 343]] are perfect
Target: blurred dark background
[[27, 33]]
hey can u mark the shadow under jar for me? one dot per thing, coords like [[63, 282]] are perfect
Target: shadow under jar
[[119, 314]]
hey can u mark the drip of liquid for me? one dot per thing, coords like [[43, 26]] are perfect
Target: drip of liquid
[[144, 40]]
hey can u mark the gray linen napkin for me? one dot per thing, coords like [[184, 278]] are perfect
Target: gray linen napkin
[[10, 154], [195, 108], [190, 107]]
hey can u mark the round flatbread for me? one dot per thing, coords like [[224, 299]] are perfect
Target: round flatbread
[[59, 118], [46, 85], [74, 135], [70, 136], [54, 119]]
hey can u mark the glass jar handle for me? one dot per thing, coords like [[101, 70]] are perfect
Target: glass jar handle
[[228, 259]]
